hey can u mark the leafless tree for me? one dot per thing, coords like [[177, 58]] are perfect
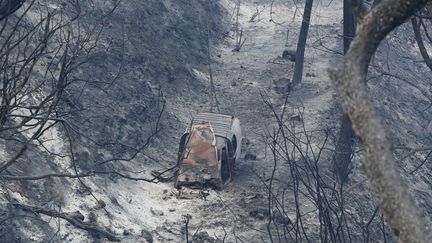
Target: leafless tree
[[344, 146], [398, 206], [42, 71], [301, 44], [240, 40]]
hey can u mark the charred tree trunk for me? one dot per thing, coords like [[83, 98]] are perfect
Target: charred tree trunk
[[348, 25], [301, 44], [344, 148], [420, 43], [345, 143], [395, 201]]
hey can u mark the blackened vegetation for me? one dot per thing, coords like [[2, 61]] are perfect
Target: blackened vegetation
[[88, 77], [395, 201], [302, 187]]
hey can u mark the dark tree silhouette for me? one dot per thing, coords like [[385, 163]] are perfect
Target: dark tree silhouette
[[301, 44], [419, 39], [343, 151]]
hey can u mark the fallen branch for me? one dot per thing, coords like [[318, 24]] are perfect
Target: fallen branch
[[157, 176], [77, 222], [41, 177]]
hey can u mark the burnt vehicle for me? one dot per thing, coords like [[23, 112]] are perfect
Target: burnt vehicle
[[208, 151]]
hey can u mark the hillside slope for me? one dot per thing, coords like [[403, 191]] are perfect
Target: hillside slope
[[159, 51]]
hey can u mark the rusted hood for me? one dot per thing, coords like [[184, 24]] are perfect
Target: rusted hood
[[199, 164]]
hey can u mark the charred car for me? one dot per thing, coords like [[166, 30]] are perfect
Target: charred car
[[208, 151]]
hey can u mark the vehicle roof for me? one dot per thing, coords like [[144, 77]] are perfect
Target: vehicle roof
[[220, 123]]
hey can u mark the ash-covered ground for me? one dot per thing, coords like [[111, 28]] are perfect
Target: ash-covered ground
[[160, 47]]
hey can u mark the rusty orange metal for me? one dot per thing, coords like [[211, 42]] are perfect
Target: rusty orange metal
[[207, 152], [199, 164]]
